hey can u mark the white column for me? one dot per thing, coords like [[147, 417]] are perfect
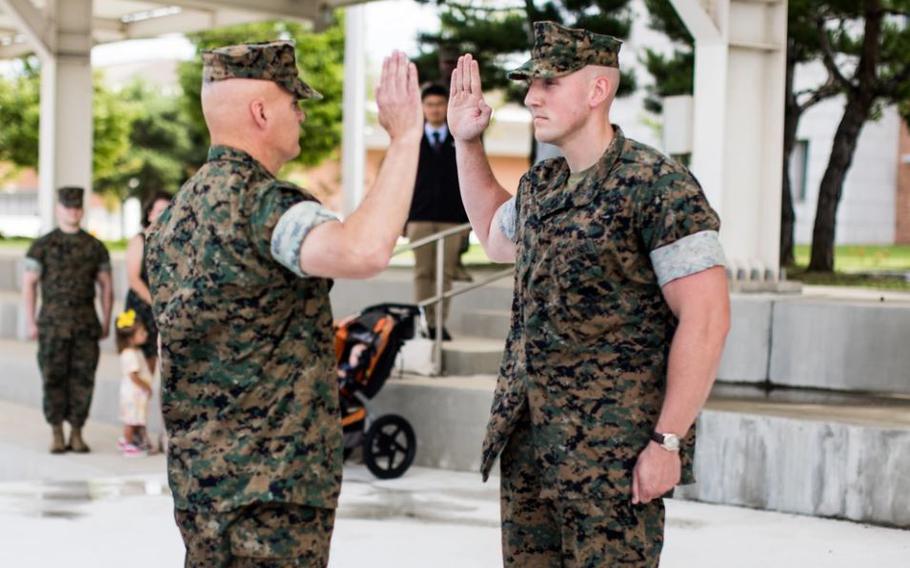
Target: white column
[[65, 147], [353, 149], [740, 51]]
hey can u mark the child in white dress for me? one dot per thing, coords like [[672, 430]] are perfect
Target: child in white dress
[[135, 385]]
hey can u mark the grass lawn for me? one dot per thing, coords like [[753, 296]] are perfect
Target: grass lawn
[[868, 266], [863, 258]]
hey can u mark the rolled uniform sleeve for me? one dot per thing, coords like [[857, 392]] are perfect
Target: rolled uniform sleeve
[[679, 228], [33, 260], [507, 214], [104, 259], [508, 219], [284, 216]]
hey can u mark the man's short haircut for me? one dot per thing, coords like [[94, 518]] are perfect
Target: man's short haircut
[[434, 89]]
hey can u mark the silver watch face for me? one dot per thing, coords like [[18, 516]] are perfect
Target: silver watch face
[[671, 442]]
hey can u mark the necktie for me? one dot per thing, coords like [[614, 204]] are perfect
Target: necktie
[[436, 140]]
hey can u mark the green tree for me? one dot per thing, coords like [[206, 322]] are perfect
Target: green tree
[[499, 36], [319, 57], [673, 75], [19, 111], [158, 142], [864, 46]]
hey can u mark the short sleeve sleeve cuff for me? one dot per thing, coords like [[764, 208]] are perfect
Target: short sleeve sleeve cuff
[[32, 265], [104, 267], [687, 256], [508, 218], [292, 228]]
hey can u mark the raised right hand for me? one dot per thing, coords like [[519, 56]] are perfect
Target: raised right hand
[[398, 98], [469, 115]]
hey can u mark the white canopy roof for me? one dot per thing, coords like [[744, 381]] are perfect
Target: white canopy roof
[[117, 20]]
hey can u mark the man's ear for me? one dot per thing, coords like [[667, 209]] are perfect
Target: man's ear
[[600, 90], [259, 112]]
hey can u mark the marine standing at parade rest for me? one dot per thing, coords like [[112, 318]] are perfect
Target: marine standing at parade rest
[[239, 270], [619, 315], [68, 263]]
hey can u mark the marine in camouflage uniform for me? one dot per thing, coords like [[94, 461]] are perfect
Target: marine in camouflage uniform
[[249, 394], [68, 265], [584, 372]]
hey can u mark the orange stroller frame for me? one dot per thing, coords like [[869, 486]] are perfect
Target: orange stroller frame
[[366, 346]]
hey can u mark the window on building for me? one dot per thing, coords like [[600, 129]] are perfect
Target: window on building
[[799, 164]]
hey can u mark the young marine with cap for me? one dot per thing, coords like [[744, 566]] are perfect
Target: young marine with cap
[[68, 263], [619, 314], [239, 268]]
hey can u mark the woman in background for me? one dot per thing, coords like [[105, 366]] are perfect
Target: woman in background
[[138, 298]]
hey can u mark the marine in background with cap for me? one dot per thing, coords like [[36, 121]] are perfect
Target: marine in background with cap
[[239, 267], [619, 314], [72, 267]]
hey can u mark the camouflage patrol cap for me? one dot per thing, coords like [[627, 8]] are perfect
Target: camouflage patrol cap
[[70, 196], [269, 61], [559, 50]]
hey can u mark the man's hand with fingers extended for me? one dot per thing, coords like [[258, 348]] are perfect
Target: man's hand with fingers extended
[[398, 98], [469, 114]]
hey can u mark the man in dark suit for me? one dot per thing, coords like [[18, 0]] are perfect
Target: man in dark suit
[[436, 205]]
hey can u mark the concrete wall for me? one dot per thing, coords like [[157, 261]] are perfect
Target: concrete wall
[[745, 358], [841, 345], [819, 468]]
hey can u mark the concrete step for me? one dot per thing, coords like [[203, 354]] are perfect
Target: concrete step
[[472, 356], [493, 324], [813, 454]]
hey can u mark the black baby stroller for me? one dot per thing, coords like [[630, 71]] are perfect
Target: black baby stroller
[[366, 346]]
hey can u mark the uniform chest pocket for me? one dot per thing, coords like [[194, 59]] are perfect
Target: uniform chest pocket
[[579, 309]]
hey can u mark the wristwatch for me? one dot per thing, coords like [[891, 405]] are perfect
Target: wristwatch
[[669, 442]]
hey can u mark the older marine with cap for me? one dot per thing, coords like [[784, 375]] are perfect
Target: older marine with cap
[[619, 313], [239, 268]]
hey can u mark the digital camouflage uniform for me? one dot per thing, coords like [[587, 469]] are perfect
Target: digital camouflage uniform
[[248, 373], [68, 326], [584, 371]]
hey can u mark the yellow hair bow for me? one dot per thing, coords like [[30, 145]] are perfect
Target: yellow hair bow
[[126, 319]]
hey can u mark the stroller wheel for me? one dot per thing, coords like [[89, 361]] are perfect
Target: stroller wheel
[[389, 446]]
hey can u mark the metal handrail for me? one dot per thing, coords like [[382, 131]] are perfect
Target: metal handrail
[[431, 239], [441, 296]]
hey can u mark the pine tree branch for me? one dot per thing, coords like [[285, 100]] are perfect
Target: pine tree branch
[[828, 56], [892, 87], [826, 91]]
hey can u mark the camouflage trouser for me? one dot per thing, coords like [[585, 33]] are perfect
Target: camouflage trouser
[[541, 533], [68, 372], [263, 535]]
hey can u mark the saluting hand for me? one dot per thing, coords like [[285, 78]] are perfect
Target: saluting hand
[[469, 115], [398, 97]]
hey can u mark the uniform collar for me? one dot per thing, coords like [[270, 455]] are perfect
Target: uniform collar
[[219, 153], [557, 196], [612, 153]]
